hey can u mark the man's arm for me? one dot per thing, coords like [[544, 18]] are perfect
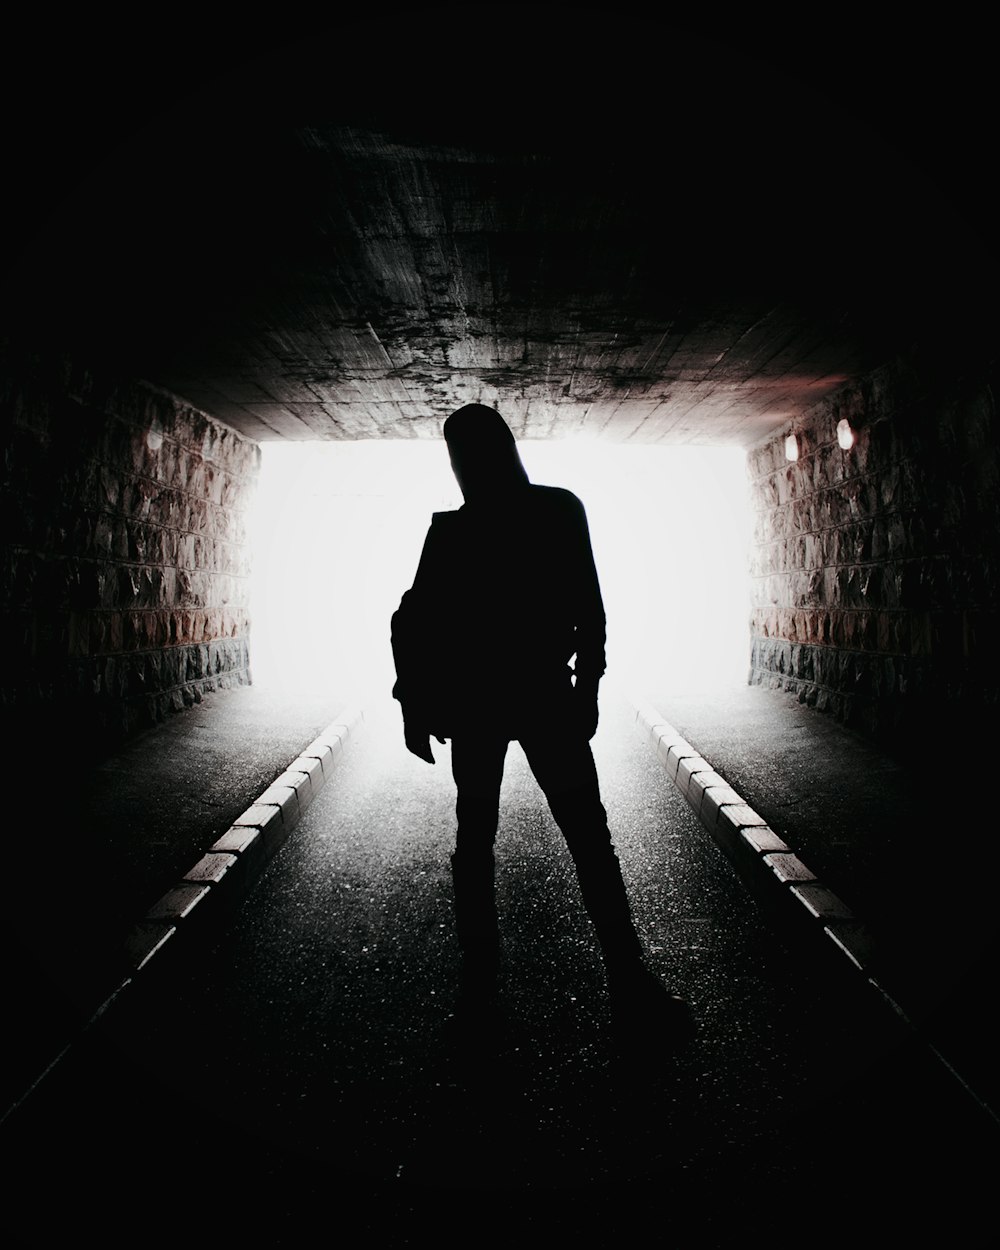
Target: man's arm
[[415, 732], [591, 625], [409, 636], [418, 739]]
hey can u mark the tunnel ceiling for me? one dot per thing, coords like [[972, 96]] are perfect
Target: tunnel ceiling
[[660, 259]]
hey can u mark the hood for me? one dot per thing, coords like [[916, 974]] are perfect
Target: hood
[[483, 454]]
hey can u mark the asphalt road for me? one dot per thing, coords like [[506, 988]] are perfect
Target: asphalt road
[[301, 1078]]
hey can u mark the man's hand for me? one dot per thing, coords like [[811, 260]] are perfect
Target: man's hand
[[585, 699], [418, 741]]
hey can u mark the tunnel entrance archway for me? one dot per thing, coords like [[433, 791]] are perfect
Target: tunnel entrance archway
[[339, 527]]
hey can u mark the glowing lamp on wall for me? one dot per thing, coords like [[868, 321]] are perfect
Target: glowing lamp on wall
[[845, 435], [791, 447]]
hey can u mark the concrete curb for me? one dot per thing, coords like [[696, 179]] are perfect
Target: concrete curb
[[208, 894], [785, 886], [213, 887]]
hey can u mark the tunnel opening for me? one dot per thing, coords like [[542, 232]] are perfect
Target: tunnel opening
[[337, 530]]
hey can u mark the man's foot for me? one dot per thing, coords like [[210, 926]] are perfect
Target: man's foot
[[477, 1020], [642, 1008]]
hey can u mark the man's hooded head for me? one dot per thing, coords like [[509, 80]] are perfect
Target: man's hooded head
[[483, 454]]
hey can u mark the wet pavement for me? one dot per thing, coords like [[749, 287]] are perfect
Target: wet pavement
[[904, 839], [93, 847], [297, 1072]]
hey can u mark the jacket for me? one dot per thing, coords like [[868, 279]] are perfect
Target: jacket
[[505, 596]]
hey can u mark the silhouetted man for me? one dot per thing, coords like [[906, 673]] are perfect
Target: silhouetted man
[[505, 595]]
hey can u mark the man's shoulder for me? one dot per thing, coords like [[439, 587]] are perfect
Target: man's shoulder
[[443, 521], [556, 498]]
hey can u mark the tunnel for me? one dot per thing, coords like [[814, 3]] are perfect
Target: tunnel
[[651, 253]]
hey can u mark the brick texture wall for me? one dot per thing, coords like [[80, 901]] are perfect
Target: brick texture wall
[[875, 570], [125, 568]]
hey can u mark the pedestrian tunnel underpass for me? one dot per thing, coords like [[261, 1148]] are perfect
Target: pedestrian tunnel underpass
[[316, 1035], [220, 289]]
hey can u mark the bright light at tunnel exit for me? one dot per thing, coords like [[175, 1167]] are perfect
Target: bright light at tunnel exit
[[338, 528]]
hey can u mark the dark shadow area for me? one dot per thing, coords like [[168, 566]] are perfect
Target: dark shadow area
[[102, 841], [149, 220]]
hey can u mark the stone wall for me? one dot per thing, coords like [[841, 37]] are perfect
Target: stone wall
[[125, 568], [875, 570]]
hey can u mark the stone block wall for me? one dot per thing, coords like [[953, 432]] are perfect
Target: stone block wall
[[125, 566], [876, 570]]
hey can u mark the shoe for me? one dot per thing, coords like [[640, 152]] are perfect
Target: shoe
[[476, 1024], [643, 1008]]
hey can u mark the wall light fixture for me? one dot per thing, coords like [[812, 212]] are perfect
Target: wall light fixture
[[845, 435]]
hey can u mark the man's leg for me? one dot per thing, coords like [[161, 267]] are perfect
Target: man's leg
[[563, 764], [477, 766]]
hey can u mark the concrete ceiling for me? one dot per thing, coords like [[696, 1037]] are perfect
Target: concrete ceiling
[[696, 255]]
